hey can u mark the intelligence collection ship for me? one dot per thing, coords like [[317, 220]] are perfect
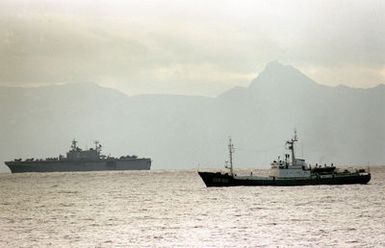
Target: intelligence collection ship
[[80, 160], [287, 173]]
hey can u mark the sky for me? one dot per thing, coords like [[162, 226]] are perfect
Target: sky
[[190, 47]]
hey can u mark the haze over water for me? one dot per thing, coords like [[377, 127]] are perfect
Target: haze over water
[[171, 80], [175, 209]]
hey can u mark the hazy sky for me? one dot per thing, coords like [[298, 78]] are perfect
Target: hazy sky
[[189, 47]]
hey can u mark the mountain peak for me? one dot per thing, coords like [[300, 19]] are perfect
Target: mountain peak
[[277, 74], [274, 65]]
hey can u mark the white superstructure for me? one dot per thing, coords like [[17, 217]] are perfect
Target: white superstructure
[[296, 168]]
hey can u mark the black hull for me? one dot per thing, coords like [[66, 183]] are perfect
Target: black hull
[[84, 165], [218, 179]]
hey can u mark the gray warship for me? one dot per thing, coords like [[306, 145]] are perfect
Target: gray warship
[[80, 160]]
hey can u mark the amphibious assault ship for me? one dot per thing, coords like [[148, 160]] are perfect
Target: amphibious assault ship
[[80, 160], [287, 173]]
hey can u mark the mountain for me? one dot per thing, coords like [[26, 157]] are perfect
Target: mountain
[[335, 124]]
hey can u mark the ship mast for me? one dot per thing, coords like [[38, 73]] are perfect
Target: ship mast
[[231, 151], [74, 145], [291, 146], [98, 147]]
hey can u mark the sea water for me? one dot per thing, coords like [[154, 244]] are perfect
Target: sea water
[[175, 209]]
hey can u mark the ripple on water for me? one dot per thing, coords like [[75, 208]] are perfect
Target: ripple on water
[[147, 209]]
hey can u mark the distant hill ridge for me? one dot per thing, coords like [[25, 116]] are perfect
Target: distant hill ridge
[[335, 124]]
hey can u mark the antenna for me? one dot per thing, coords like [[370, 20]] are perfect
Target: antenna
[[231, 151], [295, 135]]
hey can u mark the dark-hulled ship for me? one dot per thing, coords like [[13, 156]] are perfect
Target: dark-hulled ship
[[80, 160], [287, 173]]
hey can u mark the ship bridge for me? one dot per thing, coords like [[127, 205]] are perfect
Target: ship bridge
[[78, 154]]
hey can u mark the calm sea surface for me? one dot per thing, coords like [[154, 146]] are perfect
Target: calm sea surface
[[175, 209]]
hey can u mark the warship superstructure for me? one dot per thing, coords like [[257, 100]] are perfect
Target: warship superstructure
[[80, 160], [287, 173]]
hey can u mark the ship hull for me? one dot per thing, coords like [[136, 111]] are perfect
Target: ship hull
[[84, 165], [218, 179]]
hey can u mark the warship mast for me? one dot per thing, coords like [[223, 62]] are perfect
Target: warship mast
[[74, 145], [231, 151], [291, 146], [98, 147]]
